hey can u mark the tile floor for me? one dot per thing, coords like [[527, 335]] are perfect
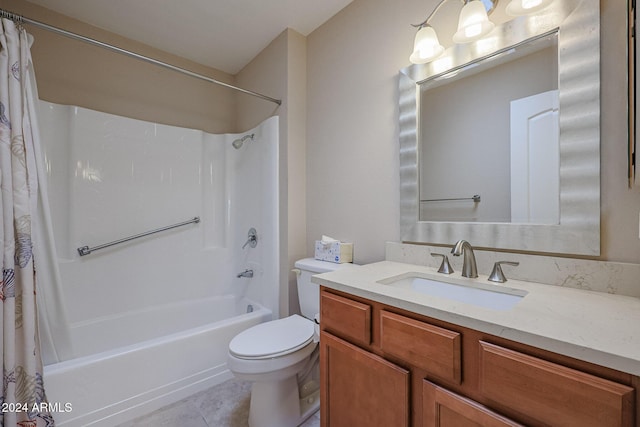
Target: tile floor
[[225, 405]]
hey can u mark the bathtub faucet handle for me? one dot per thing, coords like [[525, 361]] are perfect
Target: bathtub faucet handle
[[252, 238]]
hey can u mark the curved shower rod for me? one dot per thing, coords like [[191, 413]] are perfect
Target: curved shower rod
[[21, 19]]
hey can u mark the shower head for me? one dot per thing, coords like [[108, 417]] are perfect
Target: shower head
[[238, 142]]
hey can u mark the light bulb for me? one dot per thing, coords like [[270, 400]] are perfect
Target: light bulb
[[473, 23], [472, 30], [426, 46], [528, 4], [525, 7]]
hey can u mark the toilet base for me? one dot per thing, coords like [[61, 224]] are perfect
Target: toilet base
[[278, 404], [309, 406]]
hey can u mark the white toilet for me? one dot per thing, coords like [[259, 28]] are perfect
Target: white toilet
[[281, 357]]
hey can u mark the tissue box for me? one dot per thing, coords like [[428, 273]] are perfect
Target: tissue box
[[337, 252]]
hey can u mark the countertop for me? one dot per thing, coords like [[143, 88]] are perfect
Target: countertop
[[592, 326]]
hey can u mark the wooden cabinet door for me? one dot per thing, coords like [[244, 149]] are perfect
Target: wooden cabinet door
[[552, 394], [442, 408], [359, 388]]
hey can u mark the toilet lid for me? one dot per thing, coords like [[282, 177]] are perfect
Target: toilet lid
[[275, 338]]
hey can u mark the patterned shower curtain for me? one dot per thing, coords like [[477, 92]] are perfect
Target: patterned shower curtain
[[22, 399]]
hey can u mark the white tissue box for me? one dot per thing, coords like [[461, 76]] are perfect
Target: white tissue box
[[337, 252]]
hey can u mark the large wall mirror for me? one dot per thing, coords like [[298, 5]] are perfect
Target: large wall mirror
[[500, 138]]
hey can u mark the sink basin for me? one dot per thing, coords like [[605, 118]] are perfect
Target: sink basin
[[478, 294]]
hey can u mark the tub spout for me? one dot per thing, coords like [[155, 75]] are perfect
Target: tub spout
[[246, 273]]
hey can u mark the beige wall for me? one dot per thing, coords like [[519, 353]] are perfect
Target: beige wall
[[76, 73], [280, 71], [296, 181], [352, 133]]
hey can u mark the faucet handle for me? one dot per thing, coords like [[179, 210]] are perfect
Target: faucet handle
[[445, 267], [497, 275], [252, 238]]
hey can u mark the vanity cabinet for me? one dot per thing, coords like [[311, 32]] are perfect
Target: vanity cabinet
[[384, 366], [358, 386]]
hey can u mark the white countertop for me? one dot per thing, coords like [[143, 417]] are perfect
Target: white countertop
[[592, 326]]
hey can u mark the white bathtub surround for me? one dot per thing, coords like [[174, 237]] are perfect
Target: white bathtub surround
[[150, 320], [601, 276]]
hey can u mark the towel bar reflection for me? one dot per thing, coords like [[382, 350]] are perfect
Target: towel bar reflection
[[86, 250], [475, 198]]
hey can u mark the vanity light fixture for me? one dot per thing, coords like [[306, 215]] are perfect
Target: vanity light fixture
[[473, 24]]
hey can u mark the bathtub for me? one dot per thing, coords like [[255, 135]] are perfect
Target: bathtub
[[123, 381]]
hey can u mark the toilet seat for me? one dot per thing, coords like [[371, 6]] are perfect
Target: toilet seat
[[273, 339]]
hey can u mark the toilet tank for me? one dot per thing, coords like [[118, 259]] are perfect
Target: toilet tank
[[308, 292]]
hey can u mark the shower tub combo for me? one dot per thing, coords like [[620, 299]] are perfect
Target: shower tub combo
[[131, 327]]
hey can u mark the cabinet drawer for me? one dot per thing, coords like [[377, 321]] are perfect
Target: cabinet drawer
[[550, 393], [442, 408], [434, 349], [345, 317]]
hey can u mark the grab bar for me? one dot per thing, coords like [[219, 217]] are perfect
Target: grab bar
[[86, 250], [475, 198]]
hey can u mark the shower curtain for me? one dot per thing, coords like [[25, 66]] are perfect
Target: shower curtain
[[22, 400]]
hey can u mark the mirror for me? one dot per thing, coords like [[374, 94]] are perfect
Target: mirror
[[468, 152], [510, 123]]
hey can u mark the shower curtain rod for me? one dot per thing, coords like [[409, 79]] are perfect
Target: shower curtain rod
[[21, 19]]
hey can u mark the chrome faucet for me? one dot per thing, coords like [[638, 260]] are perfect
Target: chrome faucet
[[246, 273], [252, 238], [469, 268]]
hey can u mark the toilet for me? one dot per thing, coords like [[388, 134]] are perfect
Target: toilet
[[281, 357]]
